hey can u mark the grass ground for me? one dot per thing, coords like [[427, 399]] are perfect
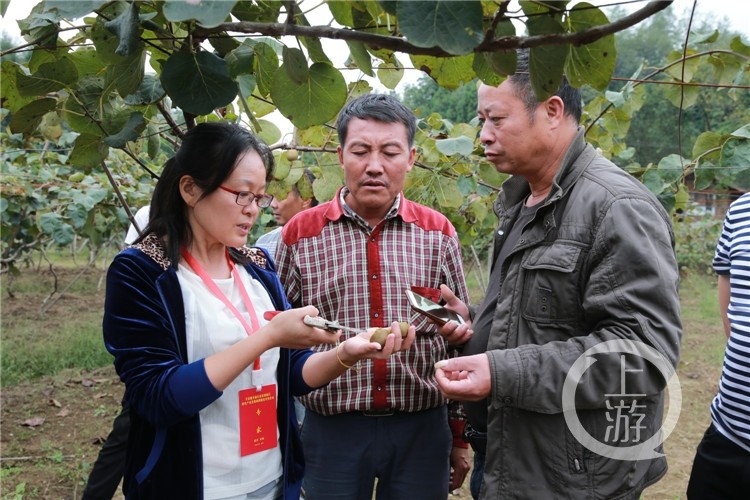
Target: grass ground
[[60, 393]]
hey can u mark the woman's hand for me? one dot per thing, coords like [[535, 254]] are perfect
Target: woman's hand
[[288, 329], [284, 329], [361, 347]]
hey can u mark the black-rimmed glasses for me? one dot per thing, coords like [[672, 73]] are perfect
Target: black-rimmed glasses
[[245, 198]]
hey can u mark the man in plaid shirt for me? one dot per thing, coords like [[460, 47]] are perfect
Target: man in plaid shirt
[[353, 258]]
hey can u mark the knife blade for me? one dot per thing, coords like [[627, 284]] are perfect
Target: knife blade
[[316, 321], [331, 326]]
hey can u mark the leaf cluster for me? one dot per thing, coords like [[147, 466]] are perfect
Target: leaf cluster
[[128, 79], [47, 203]]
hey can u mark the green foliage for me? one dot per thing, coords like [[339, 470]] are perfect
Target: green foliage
[[199, 81], [696, 237], [652, 50], [47, 203], [463, 188], [124, 86], [316, 98], [199, 96], [593, 63], [453, 26], [427, 97]]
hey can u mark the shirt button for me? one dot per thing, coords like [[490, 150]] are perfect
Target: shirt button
[[376, 315], [372, 240], [507, 400], [379, 388], [501, 232], [374, 276]]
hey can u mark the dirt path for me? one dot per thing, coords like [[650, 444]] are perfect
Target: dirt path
[[51, 459], [51, 429]]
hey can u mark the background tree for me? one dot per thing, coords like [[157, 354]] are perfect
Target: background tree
[[427, 97], [6, 45], [654, 133], [133, 76]]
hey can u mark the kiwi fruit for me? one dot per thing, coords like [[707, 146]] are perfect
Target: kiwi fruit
[[380, 334], [404, 328], [291, 154]]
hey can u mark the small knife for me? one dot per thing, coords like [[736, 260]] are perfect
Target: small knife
[[331, 326], [317, 322]]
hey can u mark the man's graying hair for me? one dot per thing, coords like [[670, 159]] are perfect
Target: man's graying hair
[[378, 107], [521, 80]]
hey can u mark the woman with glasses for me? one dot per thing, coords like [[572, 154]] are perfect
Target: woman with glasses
[[210, 369]]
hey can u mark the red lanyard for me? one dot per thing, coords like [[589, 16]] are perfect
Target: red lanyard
[[249, 329]]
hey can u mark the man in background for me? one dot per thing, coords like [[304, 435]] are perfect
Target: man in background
[[108, 469], [285, 209], [721, 468]]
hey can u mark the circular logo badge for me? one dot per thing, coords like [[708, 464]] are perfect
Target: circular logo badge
[[642, 450]]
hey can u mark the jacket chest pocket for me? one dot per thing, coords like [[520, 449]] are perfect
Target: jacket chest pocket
[[551, 284]]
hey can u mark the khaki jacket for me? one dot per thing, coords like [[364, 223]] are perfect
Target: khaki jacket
[[597, 263]]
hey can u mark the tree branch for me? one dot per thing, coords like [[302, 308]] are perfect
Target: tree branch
[[582, 37], [648, 79], [499, 16], [19, 250], [168, 118], [398, 44]]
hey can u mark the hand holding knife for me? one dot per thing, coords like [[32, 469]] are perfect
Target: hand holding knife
[[317, 322]]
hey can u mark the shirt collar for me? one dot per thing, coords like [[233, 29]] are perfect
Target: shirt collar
[[348, 212]]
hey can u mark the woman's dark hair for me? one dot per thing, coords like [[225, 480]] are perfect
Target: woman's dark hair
[[521, 79], [209, 153]]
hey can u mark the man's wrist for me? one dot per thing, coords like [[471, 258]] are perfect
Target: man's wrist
[[457, 430]]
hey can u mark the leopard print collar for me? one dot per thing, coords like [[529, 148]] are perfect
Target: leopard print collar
[[154, 249]]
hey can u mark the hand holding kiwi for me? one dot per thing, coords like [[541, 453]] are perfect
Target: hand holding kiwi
[[373, 344], [380, 334]]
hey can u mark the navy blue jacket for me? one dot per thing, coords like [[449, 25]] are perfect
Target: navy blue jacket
[[144, 328]]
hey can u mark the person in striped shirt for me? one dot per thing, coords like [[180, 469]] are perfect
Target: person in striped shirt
[[721, 468]]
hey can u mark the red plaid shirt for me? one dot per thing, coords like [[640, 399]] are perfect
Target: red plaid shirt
[[332, 259]]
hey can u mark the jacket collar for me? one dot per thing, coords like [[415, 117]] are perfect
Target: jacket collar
[[570, 170]]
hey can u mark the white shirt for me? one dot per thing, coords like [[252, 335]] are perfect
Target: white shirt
[[211, 327]]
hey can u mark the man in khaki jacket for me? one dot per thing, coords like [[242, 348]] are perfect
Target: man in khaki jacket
[[580, 329]]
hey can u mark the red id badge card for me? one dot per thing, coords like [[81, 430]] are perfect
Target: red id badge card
[[258, 420]]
